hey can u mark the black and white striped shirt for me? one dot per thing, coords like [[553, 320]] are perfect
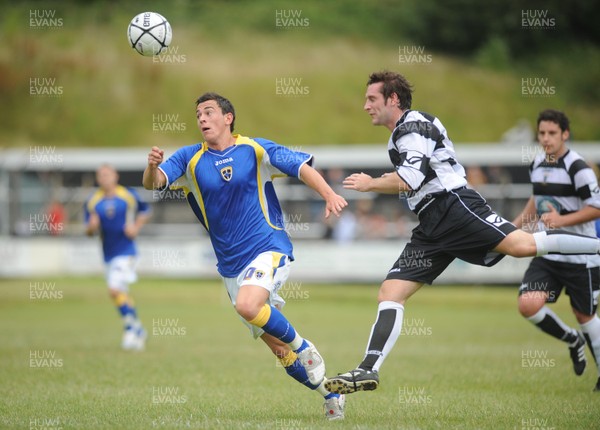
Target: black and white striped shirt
[[568, 185], [424, 157]]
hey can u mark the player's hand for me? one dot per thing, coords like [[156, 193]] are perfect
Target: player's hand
[[131, 231], [155, 157], [335, 204], [358, 182], [552, 219]]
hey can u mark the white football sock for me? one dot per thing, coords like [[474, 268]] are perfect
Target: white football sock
[[384, 334], [321, 388], [550, 323], [559, 242], [591, 331]]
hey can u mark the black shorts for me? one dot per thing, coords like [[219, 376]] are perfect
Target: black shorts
[[581, 284], [457, 224]]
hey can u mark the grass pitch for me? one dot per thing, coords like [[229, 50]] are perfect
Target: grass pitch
[[466, 360]]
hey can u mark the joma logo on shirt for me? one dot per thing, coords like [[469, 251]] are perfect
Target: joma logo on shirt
[[223, 161]]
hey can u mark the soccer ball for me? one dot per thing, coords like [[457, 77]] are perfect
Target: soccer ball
[[545, 203], [149, 33]]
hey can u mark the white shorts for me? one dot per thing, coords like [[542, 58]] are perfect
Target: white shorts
[[268, 270], [120, 272]]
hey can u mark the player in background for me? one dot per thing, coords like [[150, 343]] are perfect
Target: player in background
[[228, 183], [565, 196], [454, 221], [118, 214]]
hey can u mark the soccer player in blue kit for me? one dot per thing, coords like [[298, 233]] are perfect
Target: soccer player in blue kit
[[118, 214], [228, 183]]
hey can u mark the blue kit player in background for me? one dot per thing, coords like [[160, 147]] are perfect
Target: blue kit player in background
[[565, 196], [228, 183], [118, 214]]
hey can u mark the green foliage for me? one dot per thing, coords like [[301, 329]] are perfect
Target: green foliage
[[111, 96], [494, 54], [465, 26]]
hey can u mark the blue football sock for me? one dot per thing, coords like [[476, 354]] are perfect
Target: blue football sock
[[127, 311], [294, 368], [274, 323], [303, 346]]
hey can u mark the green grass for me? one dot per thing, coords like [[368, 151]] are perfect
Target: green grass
[[464, 365]]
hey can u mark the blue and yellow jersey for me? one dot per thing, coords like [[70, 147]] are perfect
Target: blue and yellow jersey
[[231, 192], [114, 212]]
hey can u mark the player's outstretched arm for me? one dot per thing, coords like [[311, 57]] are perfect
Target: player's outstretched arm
[[154, 178], [388, 183], [333, 202]]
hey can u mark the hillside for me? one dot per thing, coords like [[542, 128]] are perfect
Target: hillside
[[79, 83]]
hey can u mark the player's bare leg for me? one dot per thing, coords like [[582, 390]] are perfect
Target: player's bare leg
[[134, 335], [251, 304], [519, 243], [532, 305], [522, 244], [393, 294]]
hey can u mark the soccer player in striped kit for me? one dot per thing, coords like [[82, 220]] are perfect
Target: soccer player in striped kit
[[454, 221], [228, 183], [565, 196]]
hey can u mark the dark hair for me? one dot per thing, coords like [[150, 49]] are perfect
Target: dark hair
[[555, 116], [393, 83], [222, 102]]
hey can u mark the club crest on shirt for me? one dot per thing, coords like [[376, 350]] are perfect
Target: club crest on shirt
[[259, 274], [110, 210], [227, 173]]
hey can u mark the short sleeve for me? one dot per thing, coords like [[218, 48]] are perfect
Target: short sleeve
[[285, 160], [586, 186], [142, 206], [86, 211], [414, 160], [175, 166]]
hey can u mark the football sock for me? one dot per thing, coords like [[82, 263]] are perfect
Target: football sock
[[127, 311], [591, 332], [274, 323], [295, 369], [550, 323], [384, 334], [563, 242]]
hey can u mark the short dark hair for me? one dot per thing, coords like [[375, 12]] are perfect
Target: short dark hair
[[555, 116], [393, 83], [222, 102]]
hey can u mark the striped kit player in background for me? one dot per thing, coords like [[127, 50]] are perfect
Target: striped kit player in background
[[454, 221], [565, 196]]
